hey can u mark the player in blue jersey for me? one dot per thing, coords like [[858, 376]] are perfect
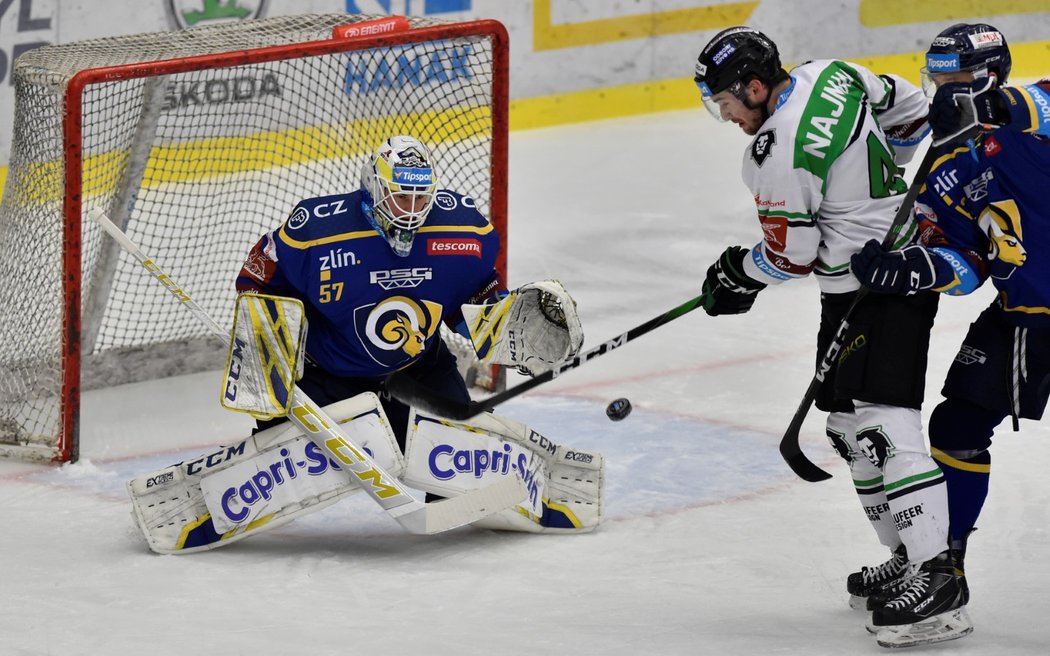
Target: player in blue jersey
[[379, 270], [982, 217]]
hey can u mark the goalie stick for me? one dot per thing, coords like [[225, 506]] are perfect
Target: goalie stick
[[412, 392], [790, 449], [386, 490]]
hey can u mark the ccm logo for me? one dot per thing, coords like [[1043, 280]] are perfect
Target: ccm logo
[[454, 247]]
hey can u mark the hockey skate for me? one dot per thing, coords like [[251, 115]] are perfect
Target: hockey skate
[[930, 609], [958, 553], [871, 581]]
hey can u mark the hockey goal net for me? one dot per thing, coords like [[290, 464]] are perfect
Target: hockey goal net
[[197, 142]]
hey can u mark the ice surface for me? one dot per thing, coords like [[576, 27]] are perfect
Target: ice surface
[[711, 545]]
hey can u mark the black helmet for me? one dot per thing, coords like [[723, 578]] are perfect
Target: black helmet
[[736, 55], [977, 48]]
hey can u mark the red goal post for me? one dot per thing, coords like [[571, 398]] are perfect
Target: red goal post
[[195, 143]]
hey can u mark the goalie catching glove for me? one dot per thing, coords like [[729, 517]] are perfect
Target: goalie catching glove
[[533, 328]]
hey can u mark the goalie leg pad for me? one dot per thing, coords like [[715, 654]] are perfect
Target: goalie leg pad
[[565, 485], [260, 483]]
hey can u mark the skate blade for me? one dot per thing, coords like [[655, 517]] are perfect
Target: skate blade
[[940, 628], [858, 603]]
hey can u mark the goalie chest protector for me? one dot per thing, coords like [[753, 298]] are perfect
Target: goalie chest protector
[[371, 312]]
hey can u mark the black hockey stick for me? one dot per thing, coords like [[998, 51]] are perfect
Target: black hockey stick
[[789, 446], [410, 391]]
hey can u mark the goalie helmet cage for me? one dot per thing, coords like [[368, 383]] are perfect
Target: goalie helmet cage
[[195, 143]]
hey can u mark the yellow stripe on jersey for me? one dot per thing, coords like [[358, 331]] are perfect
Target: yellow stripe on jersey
[[477, 230], [363, 234], [303, 245], [1034, 118], [1021, 308]]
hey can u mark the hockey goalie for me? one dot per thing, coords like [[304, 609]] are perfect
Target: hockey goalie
[[373, 294]]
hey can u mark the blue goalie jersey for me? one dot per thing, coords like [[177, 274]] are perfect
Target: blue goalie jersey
[[983, 214], [371, 312]]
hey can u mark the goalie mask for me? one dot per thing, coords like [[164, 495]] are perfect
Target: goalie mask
[[398, 184]]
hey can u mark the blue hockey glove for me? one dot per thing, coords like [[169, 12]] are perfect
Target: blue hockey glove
[[960, 106], [727, 289], [906, 271]]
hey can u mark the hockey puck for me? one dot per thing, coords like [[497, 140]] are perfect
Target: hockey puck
[[618, 409]]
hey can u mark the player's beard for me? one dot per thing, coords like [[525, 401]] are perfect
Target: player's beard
[[752, 122]]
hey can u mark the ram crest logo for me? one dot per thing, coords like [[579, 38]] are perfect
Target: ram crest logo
[[396, 330]]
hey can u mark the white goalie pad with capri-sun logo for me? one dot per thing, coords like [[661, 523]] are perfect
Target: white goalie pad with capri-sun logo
[[565, 485], [256, 484]]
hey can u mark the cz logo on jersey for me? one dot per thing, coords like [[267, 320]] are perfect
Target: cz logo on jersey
[[401, 278], [762, 147], [462, 246]]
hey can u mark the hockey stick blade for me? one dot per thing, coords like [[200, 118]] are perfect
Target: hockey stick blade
[[382, 487], [447, 514], [789, 445], [410, 391], [791, 450]]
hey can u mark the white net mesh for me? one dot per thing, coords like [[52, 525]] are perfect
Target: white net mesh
[[195, 165]]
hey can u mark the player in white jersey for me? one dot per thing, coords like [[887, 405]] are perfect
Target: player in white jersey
[[823, 170]]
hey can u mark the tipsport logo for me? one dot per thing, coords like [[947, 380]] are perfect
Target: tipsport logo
[[413, 176], [942, 63]]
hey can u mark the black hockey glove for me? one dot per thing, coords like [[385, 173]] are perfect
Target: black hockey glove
[[727, 289], [960, 106], [906, 271]]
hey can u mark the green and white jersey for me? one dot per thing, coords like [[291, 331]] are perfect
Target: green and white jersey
[[824, 174]]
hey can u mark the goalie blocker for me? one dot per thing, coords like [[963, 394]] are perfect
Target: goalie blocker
[[279, 475], [266, 355]]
